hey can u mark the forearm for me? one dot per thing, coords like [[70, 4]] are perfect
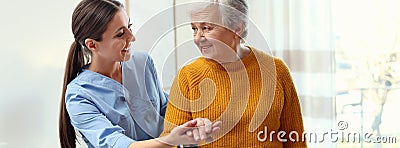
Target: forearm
[[179, 135]]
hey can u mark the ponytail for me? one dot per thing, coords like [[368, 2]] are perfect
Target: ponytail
[[89, 20], [75, 61]]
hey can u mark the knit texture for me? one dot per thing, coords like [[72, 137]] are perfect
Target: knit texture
[[254, 96]]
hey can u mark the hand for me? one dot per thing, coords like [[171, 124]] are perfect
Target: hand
[[190, 132], [204, 129]]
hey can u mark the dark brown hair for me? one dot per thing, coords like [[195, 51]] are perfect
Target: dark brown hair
[[89, 20]]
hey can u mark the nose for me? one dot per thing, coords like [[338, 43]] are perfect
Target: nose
[[131, 37], [199, 36]]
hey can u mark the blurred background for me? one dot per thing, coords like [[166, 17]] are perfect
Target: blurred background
[[344, 56]]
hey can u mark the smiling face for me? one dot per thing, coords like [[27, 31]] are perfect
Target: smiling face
[[214, 41], [116, 39]]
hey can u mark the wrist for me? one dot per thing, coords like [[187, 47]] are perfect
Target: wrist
[[167, 141]]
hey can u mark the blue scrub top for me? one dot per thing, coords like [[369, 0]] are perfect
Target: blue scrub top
[[110, 114]]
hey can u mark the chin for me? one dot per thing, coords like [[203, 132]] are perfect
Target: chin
[[126, 57]]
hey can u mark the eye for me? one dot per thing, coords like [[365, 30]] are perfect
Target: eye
[[121, 34], [206, 28], [129, 27], [194, 29]]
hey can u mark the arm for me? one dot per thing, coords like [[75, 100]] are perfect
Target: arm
[[204, 126], [179, 135], [291, 117], [88, 119], [163, 95], [178, 108], [101, 133]]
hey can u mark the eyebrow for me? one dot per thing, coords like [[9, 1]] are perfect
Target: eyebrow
[[122, 27], [201, 23]]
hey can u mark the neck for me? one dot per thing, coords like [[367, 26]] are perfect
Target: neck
[[243, 51], [112, 70], [239, 53]]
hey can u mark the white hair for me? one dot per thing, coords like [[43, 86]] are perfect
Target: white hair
[[232, 12]]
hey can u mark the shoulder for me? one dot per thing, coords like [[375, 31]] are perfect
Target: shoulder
[[76, 86], [75, 91], [140, 60], [196, 67], [140, 56], [279, 64], [281, 67], [264, 59], [283, 74], [274, 64], [192, 73], [83, 85], [259, 52]]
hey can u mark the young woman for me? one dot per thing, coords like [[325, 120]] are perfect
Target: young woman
[[112, 95]]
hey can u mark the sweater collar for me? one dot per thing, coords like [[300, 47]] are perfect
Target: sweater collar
[[246, 62]]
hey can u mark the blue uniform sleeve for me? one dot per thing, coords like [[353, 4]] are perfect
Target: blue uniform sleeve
[[163, 94], [164, 105], [88, 120]]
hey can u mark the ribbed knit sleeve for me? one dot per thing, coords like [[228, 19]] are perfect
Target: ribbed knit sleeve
[[178, 106], [291, 117]]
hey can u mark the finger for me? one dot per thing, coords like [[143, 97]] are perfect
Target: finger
[[196, 135], [189, 133], [191, 123], [208, 126], [209, 139], [215, 129], [217, 124], [185, 127], [200, 122], [202, 132]]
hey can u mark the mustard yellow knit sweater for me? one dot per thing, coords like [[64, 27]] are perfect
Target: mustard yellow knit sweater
[[254, 98]]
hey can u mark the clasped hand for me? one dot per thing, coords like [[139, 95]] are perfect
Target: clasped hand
[[193, 132]]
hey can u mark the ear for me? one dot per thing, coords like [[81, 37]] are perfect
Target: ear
[[239, 29], [91, 44]]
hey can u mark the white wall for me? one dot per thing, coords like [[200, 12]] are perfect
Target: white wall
[[35, 38], [153, 29]]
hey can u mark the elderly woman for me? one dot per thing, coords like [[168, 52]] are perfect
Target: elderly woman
[[251, 92]]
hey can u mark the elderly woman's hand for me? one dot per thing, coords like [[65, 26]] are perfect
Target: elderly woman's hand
[[192, 132], [204, 129]]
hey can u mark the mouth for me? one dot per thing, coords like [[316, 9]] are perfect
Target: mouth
[[205, 47], [127, 49]]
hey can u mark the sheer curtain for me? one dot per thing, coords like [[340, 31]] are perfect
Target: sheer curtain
[[300, 33]]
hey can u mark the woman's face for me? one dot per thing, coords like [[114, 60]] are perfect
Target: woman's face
[[116, 38], [214, 41]]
